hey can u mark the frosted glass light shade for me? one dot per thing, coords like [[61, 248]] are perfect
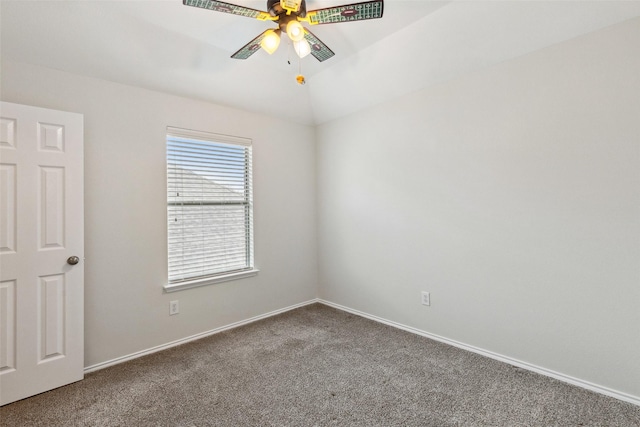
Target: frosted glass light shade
[[295, 31], [270, 42], [302, 48]]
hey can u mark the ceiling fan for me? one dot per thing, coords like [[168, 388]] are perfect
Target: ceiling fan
[[289, 14]]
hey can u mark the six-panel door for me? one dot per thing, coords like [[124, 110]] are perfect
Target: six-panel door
[[41, 226]]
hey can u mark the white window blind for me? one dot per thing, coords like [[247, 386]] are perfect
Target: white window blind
[[209, 205]]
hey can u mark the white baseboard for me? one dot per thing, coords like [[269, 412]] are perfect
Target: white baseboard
[[547, 372], [155, 349]]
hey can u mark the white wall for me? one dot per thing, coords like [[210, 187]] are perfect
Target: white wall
[[125, 210], [513, 196]]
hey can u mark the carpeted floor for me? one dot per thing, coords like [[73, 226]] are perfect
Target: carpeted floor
[[317, 366]]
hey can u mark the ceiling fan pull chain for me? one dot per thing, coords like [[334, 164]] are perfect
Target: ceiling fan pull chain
[[300, 78]]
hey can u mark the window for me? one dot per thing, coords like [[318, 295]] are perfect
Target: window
[[209, 208]]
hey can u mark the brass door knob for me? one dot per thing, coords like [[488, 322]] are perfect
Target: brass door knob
[[73, 260]]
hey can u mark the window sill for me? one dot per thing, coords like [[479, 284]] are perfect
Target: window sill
[[209, 281]]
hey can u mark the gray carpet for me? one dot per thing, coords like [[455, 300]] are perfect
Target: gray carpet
[[317, 366]]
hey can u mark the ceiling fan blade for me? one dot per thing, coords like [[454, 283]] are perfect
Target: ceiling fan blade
[[250, 48], [219, 6], [346, 13], [319, 50]]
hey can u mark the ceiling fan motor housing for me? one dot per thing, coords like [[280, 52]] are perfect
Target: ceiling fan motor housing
[[275, 8]]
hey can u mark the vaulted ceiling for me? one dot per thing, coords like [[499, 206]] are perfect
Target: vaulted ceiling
[[163, 45]]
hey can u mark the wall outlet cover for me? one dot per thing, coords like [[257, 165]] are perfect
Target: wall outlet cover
[[426, 298], [174, 307]]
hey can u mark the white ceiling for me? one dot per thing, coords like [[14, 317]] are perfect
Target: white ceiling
[[163, 45]]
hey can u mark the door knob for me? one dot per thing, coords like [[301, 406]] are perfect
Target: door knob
[[73, 260]]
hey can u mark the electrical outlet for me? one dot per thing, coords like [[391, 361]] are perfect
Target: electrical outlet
[[174, 307], [426, 298]]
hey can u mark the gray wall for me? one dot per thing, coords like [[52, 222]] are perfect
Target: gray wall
[[513, 196], [125, 210]]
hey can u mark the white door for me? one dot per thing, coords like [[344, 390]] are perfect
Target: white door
[[41, 229]]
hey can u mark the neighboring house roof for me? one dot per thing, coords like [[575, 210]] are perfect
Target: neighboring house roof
[[193, 186]]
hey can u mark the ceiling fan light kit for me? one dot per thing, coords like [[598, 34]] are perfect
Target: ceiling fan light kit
[[289, 15]]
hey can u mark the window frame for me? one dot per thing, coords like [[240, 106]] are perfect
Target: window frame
[[211, 279]]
